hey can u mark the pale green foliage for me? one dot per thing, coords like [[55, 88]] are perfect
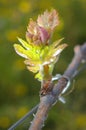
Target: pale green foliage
[[37, 56]]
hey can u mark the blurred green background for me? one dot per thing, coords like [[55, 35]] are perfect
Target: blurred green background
[[19, 91]]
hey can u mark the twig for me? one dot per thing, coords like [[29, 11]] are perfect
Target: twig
[[23, 118], [80, 55], [80, 70], [46, 102]]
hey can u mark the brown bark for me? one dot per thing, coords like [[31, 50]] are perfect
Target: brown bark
[[47, 101]]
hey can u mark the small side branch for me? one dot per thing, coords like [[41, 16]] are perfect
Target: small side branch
[[23, 118], [47, 101], [80, 55]]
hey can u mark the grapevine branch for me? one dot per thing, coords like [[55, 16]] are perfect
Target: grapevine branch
[[40, 57], [47, 101]]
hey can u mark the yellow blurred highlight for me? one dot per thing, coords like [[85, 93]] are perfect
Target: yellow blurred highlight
[[21, 112], [20, 90], [19, 64], [4, 122], [25, 6], [81, 121], [11, 35]]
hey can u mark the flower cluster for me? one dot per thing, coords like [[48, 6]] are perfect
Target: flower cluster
[[38, 49]]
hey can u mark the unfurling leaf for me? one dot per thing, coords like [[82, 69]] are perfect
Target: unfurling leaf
[[38, 51]]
